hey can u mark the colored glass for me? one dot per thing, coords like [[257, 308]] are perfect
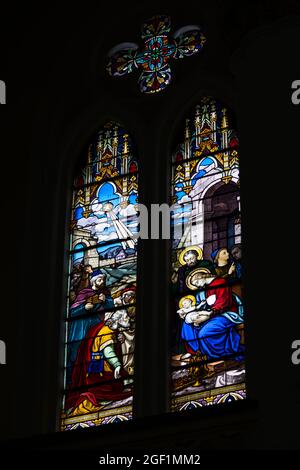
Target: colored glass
[[159, 49], [100, 314], [207, 356]]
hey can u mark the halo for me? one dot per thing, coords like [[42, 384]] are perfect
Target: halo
[[94, 278], [192, 273], [191, 297], [190, 248]]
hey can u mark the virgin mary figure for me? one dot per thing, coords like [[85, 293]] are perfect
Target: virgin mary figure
[[217, 337]]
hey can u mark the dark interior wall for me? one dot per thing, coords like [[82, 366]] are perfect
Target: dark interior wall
[[58, 94]]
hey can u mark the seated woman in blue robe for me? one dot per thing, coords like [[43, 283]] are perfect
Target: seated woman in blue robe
[[217, 336]]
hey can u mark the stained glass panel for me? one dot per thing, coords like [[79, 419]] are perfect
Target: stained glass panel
[[158, 50], [207, 357], [100, 312]]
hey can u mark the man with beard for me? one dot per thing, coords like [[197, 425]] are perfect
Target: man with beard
[[216, 338], [80, 279], [190, 258]]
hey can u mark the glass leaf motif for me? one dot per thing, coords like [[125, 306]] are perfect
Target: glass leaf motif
[[122, 62], [159, 49]]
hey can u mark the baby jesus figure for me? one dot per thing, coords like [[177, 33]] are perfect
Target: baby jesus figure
[[192, 313]]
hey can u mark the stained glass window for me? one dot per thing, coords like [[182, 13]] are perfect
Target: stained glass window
[[207, 357], [100, 315], [158, 51]]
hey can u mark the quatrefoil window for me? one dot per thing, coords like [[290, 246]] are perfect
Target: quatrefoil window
[[160, 47]]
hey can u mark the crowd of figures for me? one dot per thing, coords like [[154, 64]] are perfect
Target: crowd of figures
[[100, 357]]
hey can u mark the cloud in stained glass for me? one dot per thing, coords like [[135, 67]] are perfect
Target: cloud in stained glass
[[207, 368], [109, 219]]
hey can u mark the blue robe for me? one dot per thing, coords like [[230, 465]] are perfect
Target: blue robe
[[78, 328], [217, 337]]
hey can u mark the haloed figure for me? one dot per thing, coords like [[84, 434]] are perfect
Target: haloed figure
[[236, 253]]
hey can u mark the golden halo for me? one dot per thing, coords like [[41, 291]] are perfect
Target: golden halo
[[193, 248], [191, 297], [107, 207], [192, 273]]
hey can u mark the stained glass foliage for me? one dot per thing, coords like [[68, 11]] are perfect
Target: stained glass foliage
[[158, 51], [100, 314], [207, 357]]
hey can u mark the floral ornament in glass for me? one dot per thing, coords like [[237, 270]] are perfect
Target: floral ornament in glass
[[159, 49]]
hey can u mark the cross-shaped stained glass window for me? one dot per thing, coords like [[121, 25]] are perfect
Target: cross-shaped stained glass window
[[159, 49]]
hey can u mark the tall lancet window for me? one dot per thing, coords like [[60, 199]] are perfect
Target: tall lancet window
[[100, 315], [208, 349]]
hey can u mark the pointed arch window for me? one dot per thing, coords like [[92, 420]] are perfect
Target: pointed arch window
[[100, 316], [207, 357]]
